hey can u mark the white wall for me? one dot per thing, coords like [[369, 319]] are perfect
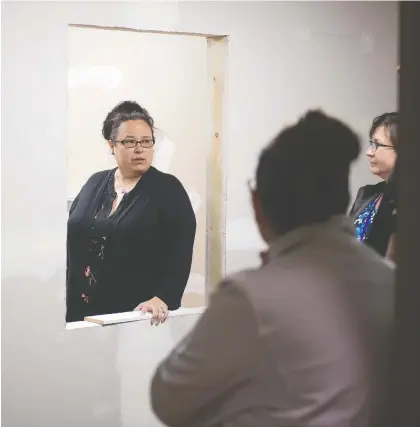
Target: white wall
[[283, 59]]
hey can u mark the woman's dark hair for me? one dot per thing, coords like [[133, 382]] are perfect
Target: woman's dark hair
[[303, 175], [390, 122], [124, 111]]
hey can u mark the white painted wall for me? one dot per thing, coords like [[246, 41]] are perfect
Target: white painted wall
[[283, 59]]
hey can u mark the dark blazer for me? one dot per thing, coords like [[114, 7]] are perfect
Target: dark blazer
[[149, 244], [384, 223]]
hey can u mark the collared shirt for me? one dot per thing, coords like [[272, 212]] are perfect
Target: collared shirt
[[302, 341]]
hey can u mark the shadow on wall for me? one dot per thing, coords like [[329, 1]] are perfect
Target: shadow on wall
[[62, 373]]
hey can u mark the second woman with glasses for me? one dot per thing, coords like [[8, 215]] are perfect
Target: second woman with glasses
[[131, 229], [373, 212]]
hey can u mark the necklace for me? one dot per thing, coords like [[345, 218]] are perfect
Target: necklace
[[119, 189]]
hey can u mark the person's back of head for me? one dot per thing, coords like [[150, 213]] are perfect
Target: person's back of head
[[303, 175], [303, 179]]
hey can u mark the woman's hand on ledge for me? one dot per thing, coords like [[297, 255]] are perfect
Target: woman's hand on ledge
[[157, 308]]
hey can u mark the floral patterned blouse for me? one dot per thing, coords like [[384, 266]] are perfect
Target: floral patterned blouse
[[364, 221], [94, 269]]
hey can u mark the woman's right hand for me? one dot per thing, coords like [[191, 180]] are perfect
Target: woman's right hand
[[157, 308]]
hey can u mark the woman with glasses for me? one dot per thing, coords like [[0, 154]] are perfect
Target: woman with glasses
[[372, 213], [131, 229]]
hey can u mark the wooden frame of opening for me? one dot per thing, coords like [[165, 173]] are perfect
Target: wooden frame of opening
[[217, 53]]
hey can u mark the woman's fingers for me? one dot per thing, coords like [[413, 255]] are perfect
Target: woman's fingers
[[162, 314], [155, 315], [159, 313], [165, 314]]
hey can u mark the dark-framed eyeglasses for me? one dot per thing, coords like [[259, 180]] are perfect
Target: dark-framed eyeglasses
[[375, 145], [131, 143]]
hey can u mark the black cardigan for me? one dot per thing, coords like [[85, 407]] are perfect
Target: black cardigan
[[384, 223], [149, 249]]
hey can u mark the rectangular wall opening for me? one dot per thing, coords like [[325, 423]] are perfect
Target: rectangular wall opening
[[180, 79]]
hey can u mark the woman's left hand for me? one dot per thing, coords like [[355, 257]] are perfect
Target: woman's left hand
[[157, 308]]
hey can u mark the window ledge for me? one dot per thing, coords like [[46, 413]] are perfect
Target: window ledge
[[128, 317], [79, 325]]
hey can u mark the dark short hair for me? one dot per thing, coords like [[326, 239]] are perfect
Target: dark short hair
[[303, 175], [390, 122], [123, 112]]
